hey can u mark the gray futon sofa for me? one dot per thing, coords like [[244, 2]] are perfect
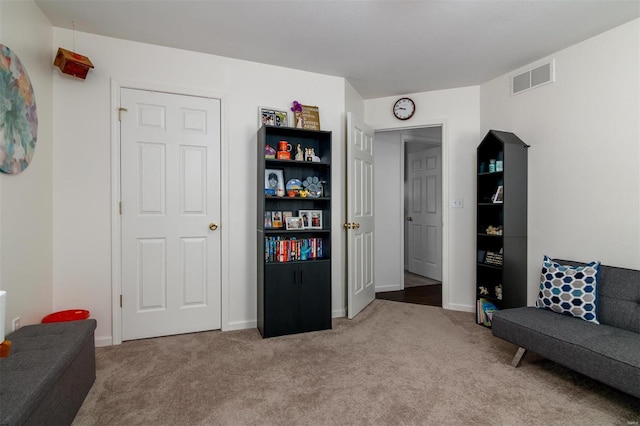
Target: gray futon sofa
[[608, 352], [48, 374]]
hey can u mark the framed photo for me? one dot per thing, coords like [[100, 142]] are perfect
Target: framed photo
[[294, 222], [273, 181], [273, 117], [267, 220], [276, 219], [311, 219], [498, 197]]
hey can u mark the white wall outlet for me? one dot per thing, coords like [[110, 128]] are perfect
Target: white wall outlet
[[457, 202], [15, 324]]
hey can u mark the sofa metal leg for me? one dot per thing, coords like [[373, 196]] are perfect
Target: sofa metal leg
[[517, 359]]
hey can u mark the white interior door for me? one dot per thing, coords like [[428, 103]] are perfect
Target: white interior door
[[424, 220], [360, 220], [170, 192]]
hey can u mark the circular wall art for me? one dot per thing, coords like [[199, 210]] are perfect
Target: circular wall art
[[18, 116]]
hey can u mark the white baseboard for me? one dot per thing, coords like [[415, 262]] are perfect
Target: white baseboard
[[339, 313], [103, 341], [240, 325], [392, 287], [463, 308]]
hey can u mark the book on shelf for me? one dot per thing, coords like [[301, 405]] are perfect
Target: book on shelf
[[279, 250], [484, 311]]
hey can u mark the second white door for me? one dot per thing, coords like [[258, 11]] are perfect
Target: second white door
[[170, 177], [425, 213]]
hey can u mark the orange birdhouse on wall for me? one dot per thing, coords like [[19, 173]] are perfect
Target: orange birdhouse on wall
[[72, 63]]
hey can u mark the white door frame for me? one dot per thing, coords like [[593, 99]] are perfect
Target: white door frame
[[116, 222], [442, 122]]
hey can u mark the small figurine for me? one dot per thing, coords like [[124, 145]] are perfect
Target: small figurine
[[483, 290], [299, 156], [498, 290], [269, 152], [308, 154]]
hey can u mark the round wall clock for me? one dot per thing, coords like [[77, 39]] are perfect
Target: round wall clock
[[19, 129], [404, 108]]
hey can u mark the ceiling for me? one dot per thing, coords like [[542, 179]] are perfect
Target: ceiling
[[383, 48]]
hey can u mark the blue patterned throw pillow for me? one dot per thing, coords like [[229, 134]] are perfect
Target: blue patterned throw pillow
[[570, 290]]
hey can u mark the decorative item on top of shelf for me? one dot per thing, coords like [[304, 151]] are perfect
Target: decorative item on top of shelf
[[284, 150], [269, 153], [498, 197], [19, 129], [299, 155], [494, 230], [293, 187], [306, 116], [493, 258], [273, 117], [313, 185], [311, 219], [273, 181]]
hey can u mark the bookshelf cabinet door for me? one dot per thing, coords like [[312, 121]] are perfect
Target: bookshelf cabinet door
[[314, 296], [280, 299]]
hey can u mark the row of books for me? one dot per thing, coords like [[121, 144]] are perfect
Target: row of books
[[484, 312], [278, 249]]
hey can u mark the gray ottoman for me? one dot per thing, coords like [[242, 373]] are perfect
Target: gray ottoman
[[48, 373]]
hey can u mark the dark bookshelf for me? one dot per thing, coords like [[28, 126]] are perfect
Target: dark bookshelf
[[294, 291], [501, 162]]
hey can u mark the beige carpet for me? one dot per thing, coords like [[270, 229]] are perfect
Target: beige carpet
[[396, 364]]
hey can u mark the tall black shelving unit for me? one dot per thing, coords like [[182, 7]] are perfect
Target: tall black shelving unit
[[501, 241], [294, 289]]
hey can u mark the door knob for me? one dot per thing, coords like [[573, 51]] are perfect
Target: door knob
[[356, 225], [410, 219], [347, 226], [213, 226]]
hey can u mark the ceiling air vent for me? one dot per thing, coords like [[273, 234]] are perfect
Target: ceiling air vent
[[533, 77]]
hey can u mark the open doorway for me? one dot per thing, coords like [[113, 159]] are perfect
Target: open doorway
[[420, 214]]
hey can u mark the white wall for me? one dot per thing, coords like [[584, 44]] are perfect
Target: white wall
[[459, 112], [81, 175], [25, 199], [584, 160]]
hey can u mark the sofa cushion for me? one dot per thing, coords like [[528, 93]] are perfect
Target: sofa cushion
[[608, 354], [569, 290], [619, 298]]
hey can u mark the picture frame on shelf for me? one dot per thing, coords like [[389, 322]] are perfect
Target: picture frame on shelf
[[267, 220], [276, 219], [273, 116], [498, 197], [294, 223], [311, 219], [273, 181]]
